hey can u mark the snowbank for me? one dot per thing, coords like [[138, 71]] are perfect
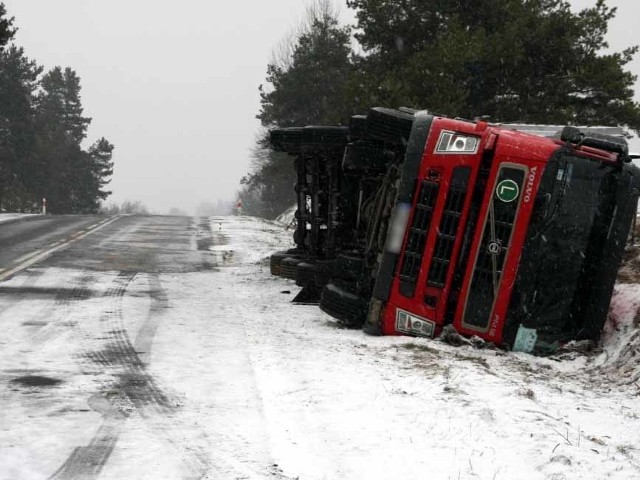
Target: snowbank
[[7, 217], [288, 216]]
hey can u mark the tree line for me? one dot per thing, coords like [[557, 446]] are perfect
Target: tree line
[[42, 130], [533, 61]]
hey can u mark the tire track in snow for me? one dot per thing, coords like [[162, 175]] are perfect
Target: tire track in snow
[[135, 391], [129, 359], [142, 396], [87, 462], [64, 300], [122, 358]]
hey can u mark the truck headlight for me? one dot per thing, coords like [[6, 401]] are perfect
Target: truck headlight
[[452, 142], [414, 325]]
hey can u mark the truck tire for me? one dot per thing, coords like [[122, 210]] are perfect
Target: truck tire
[[389, 126], [348, 267], [339, 301], [293, 140], [327, 137], [358, 127], [311, 274], [284, 264], [289, 268], [286, 140]]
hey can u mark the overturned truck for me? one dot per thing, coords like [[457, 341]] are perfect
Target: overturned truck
[[408, 222]]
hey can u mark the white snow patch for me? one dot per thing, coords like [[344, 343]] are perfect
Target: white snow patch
[[287, 217], [7, 217]]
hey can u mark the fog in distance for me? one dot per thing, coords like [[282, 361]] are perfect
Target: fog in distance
[[175, 85]]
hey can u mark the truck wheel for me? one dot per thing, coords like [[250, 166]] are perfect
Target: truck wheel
[[284, 264], [289, 268], [344, 305], [287, 140], [292, 140], [358, 127], [325, 137], [311, 275], [348, 267], [389, 126]]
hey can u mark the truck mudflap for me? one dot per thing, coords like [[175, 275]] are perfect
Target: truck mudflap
[[373, 323]]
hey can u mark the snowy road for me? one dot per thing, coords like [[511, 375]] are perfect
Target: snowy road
[[161, 348], [22, 237]]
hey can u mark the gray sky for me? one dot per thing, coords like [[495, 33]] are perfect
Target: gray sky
[[174, 85]]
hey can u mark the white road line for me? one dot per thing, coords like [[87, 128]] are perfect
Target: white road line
[[24, 258], [30, 259]]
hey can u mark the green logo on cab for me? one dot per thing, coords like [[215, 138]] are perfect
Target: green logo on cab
[[507, 191]]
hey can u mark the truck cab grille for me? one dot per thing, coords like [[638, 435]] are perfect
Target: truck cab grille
[[492, 253], [448, 230], [414, 251]]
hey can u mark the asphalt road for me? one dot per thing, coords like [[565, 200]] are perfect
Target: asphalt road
[[52, 269], [31, 234]]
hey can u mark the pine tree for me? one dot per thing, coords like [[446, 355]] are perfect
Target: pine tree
[[18, 81], [101, 170], [7, 30], [513, 60], [311, 86], [60, 107], [8, 80], [268, 190], [308, 84], [71, 178], [42, 128]]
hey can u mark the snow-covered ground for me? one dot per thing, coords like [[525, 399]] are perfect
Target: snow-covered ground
[[7, 217], [217, 375], [287, 218]]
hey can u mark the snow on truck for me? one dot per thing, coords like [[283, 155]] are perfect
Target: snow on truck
[[408, 222]]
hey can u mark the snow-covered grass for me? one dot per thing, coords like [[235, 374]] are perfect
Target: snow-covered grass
[[7, 217], [247, 385], [351, 406]]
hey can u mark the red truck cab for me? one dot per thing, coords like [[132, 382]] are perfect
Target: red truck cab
[[512, 237]]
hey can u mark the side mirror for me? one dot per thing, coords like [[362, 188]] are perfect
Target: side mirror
[[602, 141]]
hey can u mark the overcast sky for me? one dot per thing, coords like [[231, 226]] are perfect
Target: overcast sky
[[174, 85]]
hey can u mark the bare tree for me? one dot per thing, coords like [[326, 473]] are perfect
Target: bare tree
[[316, 10]]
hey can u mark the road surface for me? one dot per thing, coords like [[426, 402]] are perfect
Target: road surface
[[90, 302], [150, 347]]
